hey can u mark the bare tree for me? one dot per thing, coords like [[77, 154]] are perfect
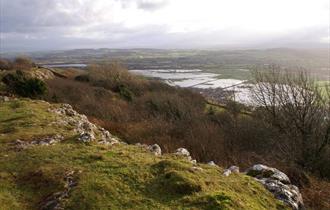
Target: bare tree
[[295, 104]]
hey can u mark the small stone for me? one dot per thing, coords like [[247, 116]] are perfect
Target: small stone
[[182, 152], [18, 141], [86, 137], [234, 169], [230, 170], [194, 161], [4, 98], [227, 172], [155, 148], [42, 143], [211, 163], [142, 145], [195, 168]]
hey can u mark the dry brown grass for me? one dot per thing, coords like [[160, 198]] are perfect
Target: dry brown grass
[[317, 196]]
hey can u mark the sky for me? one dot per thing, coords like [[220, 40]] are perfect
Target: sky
[[32, 25]]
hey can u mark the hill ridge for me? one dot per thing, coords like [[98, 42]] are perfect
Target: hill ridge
[[63, 158]]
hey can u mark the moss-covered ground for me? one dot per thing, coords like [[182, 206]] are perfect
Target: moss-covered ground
[[108, 177]]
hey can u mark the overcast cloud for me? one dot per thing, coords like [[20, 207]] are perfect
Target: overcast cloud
[[28, 25]]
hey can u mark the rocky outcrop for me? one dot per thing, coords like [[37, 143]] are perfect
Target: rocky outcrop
[[43, 141], [277, 183], [43, 74], [54, 201], [87, 131]]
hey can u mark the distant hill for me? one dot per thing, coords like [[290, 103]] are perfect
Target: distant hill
[[316, 60]]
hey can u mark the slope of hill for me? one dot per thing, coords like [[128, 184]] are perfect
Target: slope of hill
[[53, 158]]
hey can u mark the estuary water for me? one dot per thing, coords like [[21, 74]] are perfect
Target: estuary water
[[197, 78]]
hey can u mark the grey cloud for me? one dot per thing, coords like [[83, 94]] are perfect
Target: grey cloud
[[147, 5], [155, 36], [44, 25], [151, 5], [34, 15]]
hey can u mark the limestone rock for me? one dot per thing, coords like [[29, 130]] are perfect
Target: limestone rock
[[277, 183], [211, 163], [44, 141], [86, 130], [227, 172], [4, 98], [263, 171], [142, 145], [56, 200], [234, 169], [155, 148], [86, 137], [195, 169], [193, 162], [183, 152], [107, 138], [230, 170]]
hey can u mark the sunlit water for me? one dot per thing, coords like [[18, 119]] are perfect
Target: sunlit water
[[69, 65], [196, 78]]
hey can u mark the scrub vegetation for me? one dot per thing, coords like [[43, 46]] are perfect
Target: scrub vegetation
[[139, 110]]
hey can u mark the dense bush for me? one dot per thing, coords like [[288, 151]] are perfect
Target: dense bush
[[21, 85], [82, 78], [23, 63], [5, 64]]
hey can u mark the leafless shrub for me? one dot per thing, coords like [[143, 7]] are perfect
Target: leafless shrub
[[294, 104], [5, 64], [23, 63]]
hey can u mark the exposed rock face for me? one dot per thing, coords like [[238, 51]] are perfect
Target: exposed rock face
[[86, 137], [277, 183], [86, 130], [106, 137], [261, 171], [155, 148], [45, 141], [42, 74], [54, 201]]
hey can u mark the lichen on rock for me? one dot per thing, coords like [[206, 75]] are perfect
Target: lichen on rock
[[277, 183], [87, 131]]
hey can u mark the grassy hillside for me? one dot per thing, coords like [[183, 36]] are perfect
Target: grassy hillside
[[95, 176]]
